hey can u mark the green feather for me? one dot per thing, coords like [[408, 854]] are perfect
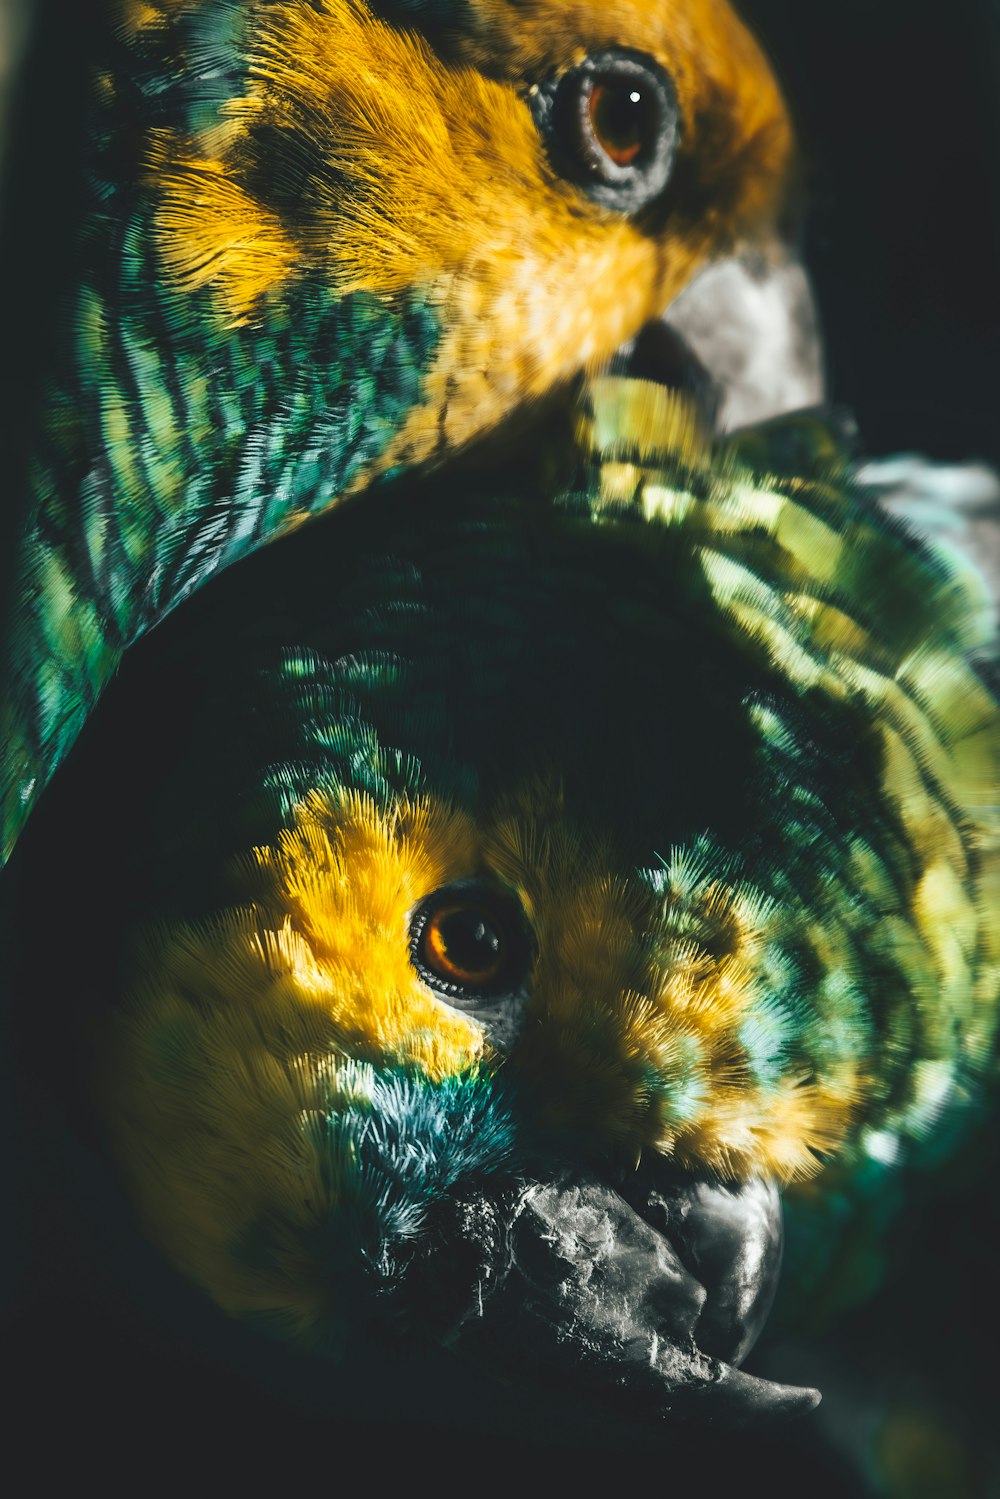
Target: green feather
[[729, 674], [172, 442], [740, 682]]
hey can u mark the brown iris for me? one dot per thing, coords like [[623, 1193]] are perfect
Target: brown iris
[[464, 944], [622, 118], [469, 941]]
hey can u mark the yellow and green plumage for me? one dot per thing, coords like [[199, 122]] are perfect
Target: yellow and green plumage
[[716, 735], [322, 243], [719, 736]]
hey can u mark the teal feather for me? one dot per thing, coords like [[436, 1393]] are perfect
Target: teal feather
[[172, 442], [649, 636], [469, 644], [276, 291]]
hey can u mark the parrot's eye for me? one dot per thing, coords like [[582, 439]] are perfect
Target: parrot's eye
[[612, 124], [469, 942]]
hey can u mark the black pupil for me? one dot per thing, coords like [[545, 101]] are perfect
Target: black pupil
[[470, 941], [621, 115]]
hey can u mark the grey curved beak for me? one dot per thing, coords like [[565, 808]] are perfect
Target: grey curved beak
[[744, 339], [644, 1286]]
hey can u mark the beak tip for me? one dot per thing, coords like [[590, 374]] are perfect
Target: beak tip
[[740, 1400]]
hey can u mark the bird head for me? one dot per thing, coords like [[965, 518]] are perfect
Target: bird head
[[513, 892], [541, 179], [327, 241]]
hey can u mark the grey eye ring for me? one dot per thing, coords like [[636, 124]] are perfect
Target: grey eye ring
[[612, 125]]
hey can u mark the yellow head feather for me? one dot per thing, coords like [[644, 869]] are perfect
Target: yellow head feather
[[240, 1037], [358, 152]]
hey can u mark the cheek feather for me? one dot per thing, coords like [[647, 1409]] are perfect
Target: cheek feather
[[515, 337], [212, 233]]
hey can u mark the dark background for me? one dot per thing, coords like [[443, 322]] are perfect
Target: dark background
[[899, 110], [898, 107]]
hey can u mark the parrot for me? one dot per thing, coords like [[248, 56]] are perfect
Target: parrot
[[458, 961], [323, 242], [477, 910]]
